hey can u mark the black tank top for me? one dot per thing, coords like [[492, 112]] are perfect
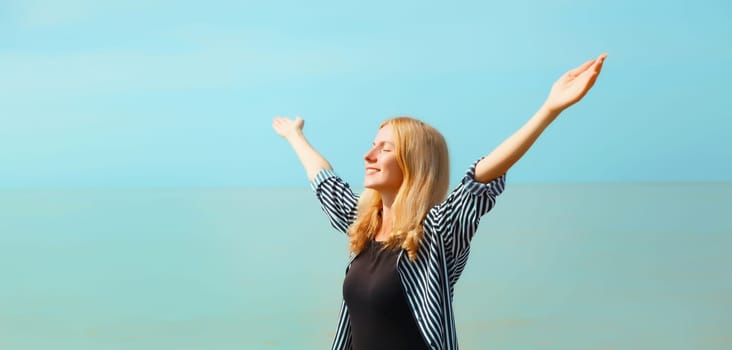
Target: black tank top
[[380, 316]]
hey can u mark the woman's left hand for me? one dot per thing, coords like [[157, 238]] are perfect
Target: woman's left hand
[[573, 85]]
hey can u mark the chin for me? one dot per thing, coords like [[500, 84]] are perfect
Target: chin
[[371, 186]]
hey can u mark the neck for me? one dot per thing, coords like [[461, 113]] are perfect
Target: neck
[[387, 199]]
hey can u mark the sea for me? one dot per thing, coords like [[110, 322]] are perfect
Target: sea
[[552, 266]]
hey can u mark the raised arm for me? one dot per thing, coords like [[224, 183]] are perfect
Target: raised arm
[[291, 130], [566, 91]]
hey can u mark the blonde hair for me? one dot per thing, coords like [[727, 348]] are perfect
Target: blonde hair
[[421, 153]]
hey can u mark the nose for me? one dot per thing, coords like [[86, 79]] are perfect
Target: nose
[[370, 156]]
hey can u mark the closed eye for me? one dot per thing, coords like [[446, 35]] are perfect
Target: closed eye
[[382, 147]]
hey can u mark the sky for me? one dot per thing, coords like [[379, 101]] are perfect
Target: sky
[[148, 94]]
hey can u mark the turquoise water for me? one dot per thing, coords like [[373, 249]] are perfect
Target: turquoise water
[[573, 266]]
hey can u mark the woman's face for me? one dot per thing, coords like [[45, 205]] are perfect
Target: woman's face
[[382, 170]]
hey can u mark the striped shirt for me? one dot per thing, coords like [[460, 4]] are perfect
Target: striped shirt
[[430, 279]]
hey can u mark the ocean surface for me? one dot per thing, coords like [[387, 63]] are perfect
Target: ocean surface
[[569, 266]]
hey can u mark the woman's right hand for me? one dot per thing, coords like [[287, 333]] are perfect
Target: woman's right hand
[[291, 130], [287, 127]]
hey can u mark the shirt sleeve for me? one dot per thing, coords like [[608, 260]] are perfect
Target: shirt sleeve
[[336, 199], [457, 217]]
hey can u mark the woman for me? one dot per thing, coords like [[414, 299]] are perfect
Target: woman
[[409, 241]]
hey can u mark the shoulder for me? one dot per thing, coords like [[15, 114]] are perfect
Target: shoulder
[[322, 176]]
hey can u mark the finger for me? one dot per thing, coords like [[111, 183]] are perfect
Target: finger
[[591, 74], [587, 76], [279, 122], [599, 62], [596, 65], [577, 71], [299, 123], [586, 80]]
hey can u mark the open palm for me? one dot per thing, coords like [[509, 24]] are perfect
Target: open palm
[[287, 127], [573, 85]]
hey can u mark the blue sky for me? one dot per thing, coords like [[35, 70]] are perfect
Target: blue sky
[[172, 94]]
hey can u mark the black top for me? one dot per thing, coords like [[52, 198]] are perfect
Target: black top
[[380, 316]]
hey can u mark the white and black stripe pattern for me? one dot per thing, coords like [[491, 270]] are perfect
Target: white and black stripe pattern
[[430, 279]]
